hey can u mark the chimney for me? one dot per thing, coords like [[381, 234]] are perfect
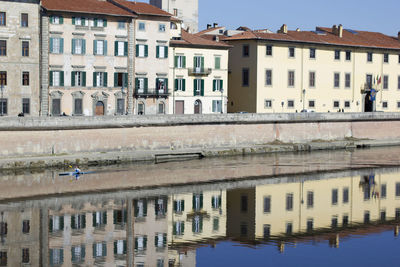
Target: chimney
[[335, 30], [340, 31], [398, 36], [208, 26], [215, 25], [283, 29]]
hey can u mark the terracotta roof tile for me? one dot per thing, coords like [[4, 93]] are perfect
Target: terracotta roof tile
[[141, 8], [194, 40], [326, 36], [85, 6], [208, 30]]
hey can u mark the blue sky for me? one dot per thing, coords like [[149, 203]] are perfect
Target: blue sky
[[380, 16]]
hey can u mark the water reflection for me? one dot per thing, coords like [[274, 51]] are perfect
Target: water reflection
[[157, 228]]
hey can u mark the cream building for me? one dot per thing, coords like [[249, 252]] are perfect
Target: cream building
[[185, 10], [199, 75], [19, 58], [323, 71]]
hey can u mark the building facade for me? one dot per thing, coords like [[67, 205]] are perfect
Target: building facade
[[187, 11], [199, 75], [325, 70], [19, 54]]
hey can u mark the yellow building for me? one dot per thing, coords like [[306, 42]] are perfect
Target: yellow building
[[325, 70]]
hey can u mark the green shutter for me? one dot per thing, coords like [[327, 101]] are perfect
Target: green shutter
[[175, 205], [137, 50], [201, 200], [51, 45], [105, 79], [157, 51], [125, 48], [73, 78], [182, 227], [166, 51], [157, 82], [83, 218], [61, 20], [115, 79], [184, 61], [94, 79], [176, 84], [217, 63], [95, 22], [84, 78], [115, 247], [73, 46], [105, 48], [194, 93], [61, 45], [83, 23], [50, 225], [221, 83], [83, 46], [73, 222], [194, 62], [146, 50], [183, 85], [73, 20], [145, 201], [124, 247], [174, 228], [202, 88], [136, 83], [214, 85], [94, 47], [50, 78], [125, 80], [176, 61], [105, 217], [62, 222], [146, 84], [104, 23], [116, 48], [202, 63], [61, 78], [166, 84], [51, 19], [94, 219]]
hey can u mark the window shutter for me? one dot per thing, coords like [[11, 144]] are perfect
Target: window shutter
[[51, 45], [51, 224], [184, 61], [183, 85], [95, 22], [83, 21], [182, 205], [105, 48], [104, 23], [137, 50], [125, 80], [146, 50], [115, 79], [146, 86], [176, 61], [73, 222], [73, 46], [136, 83], [202, 62], [115, 247], [194, 62], [61, 78], [166, 52], [125, 48], [62, 222], [157, 83], [73, 78], [157, 51], [94, 47], [166, 84], [104, 250], [105, 79], [83, 46], [61, 45], [176, 84], [124, 242], [51, 19], [194, 94], [105, 217], [84, 78], [214, 85], [94, 219], [175, 206], [201, 198], [116, 48], [218, 63], [94, 79], [202, 88], [182, 227], [61, 19], [221, 83], [73, 20], [145, 242]]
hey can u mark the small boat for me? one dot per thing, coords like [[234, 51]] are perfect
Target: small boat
[[73, 173]]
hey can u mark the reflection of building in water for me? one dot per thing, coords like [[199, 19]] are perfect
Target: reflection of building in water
[[301, 206], [19, 236]]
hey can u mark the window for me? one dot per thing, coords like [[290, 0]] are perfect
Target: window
[[99, 250], [25, 255], [268, 77], [369, 57], [24, 20], [3, 48], [215, 224], [311, 103], [243, 203], [311, 79], [347, 104], [291, 78], [161, 27], [99, 218], [100, 23], [268, 103], [366, 217], [334, 196], [3, 77], [78, 221], [290, 103], [266, 230], [179, 205], [142, 26], [161, 85], [78, 46], [78, 78], [25, 48], [246, 50], [218, 85], [398, 82], [345, 220], [334, 222], [99, 79], [384, 104], [335, 104], [289, 202], [398, 104], [348, 55], [56, 20], [3, 19], [80, 21], [383, 215], [56, 223], [269, 50], [291, 52], [26, 227], [397, 213], [121, 24], [160, 206], [78, 103], [180, 62], [25, 78], [383, 191], [369, 80], [267, 204], [121, 79], [197, 224], [245, 77], [336, 80], [310, 225], [337, 54], [56, 78], [141, 50], [179, 228], [56, 45], [100, 47], [385, 82], [386, 58], [3, 258], [347, 80], [197, 203], [141, 85], [312, 53], [120, 106], [26, 105], [397, 189], [289, 228], [78, 254], [162, 51], [175, 12], [180, 84], [56, 106], [310, 199], [217, 106], [217, 61], [346, 195]]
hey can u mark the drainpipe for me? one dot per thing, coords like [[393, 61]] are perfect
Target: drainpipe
[[173, 81]]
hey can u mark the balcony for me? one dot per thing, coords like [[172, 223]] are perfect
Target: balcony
[[157, 93], [199, 71]]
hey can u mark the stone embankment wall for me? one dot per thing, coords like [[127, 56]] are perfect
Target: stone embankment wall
[[27, 137]]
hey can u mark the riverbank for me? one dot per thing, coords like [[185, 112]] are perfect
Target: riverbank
[[63, 141]]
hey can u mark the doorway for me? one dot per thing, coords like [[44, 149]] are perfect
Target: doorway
[[197, 107], [368, 104], [179, 107], [99, 108]]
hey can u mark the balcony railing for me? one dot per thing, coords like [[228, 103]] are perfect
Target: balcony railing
[[152, 93], [200, 71]]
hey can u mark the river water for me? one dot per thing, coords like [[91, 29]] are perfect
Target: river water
[[296, 209]]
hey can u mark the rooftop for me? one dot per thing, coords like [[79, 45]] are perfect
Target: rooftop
[[141, 8], [188, 39]]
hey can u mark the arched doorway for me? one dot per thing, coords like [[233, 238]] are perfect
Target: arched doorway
[[197, 107], [99, 108]]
